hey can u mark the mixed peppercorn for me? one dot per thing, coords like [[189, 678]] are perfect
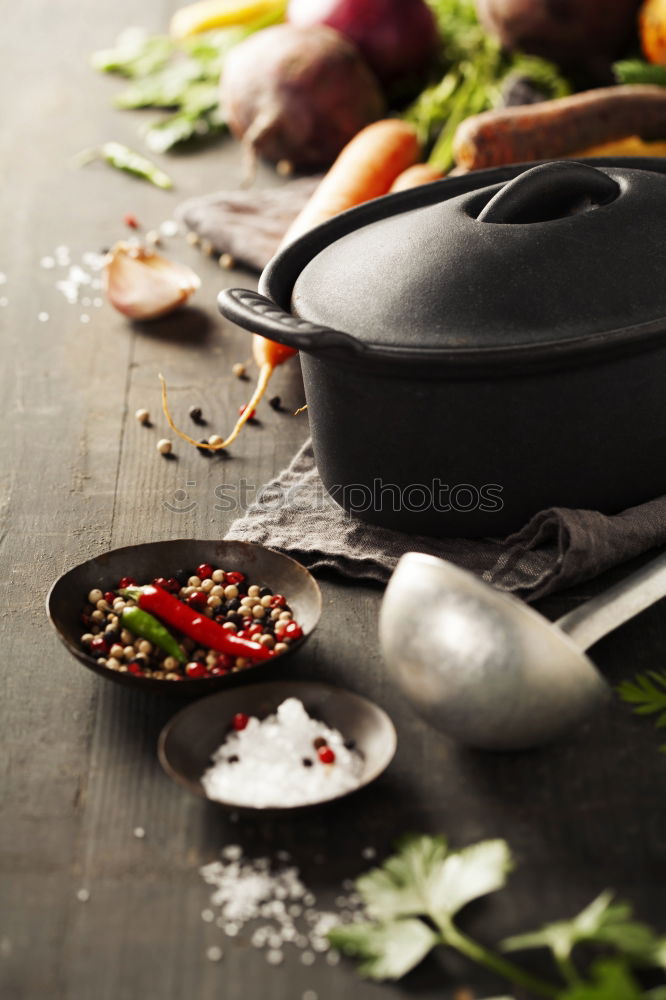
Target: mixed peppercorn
[[191, 625]]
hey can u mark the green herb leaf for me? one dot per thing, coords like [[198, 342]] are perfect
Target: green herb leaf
[[424, 877], [136, 53], [639, 71], [611, 980], [117, 155], [473, 67], [647, 693], [388, 950], [602, 922]]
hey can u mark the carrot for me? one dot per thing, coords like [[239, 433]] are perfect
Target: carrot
[[550, 129], [652, 30], [366, 168], [420, 173], [631, 146]]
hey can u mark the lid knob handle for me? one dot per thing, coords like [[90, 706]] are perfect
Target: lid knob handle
[[550, 191]]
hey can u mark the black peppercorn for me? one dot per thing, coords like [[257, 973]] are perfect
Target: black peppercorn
[[196, 415]]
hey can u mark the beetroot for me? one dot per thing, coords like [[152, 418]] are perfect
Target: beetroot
[[577, 34], [298, 94], [397, 38]]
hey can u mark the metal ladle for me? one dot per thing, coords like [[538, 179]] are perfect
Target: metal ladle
[[487, 669]]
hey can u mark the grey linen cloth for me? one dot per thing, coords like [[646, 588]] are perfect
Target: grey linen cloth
[[557, 548]]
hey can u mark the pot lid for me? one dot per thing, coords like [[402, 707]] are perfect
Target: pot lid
[[562, 253]]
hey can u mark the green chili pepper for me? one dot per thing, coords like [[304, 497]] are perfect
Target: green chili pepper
[[123, 158], [141, 623]]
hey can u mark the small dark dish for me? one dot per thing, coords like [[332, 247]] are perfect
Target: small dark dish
[[145, 562], [187, 742], [481, 348]]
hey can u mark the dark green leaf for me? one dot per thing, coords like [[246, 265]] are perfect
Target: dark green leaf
[[638, 71], [611, 980]]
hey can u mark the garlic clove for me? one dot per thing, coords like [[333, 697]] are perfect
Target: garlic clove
[[142, 284]]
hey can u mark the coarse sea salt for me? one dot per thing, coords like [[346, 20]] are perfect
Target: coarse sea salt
[[269, 768], [247, 891]]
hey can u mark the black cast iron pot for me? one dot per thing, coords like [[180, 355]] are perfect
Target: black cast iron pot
[[483, 347]]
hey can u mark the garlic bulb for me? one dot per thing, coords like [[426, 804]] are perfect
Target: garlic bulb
[[143, 285]]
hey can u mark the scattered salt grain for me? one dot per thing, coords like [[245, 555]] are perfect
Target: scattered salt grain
[[268, 769], [369, 853], [169, 228], [83, 895], [84, 318], [139, 832], [232, 852], [97, 302], [214, 954], [247, 891], [43, 317], [47, 263]]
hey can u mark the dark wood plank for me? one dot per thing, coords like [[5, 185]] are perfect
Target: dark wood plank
[[79, 771]]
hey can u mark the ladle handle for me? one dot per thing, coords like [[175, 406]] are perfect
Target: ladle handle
[[599, 616]]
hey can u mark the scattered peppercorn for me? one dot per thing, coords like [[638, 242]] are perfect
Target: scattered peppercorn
[[240, 721], [319, 742], [143, 416], [239, 370], [206, 452], [275, 402], [253, 413], [307, 762], [196, 414], [326, 755], [164, 446]]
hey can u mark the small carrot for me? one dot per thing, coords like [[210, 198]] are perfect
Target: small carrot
[[420, 173], [550, 129], [652, 30], [366, 168]]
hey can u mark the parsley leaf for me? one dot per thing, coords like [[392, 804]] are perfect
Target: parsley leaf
[[388, 950], [611, 980], [647, 692], [603, 922], [425, 877]]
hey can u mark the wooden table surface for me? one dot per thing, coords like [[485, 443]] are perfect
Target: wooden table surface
[[79, 476]]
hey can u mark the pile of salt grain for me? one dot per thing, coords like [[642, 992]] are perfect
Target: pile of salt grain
[[282, 911], [263, 764]]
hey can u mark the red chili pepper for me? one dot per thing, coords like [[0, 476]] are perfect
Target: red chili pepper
[[193, 624]]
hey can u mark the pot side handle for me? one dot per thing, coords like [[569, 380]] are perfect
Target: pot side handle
[[258, 314]]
